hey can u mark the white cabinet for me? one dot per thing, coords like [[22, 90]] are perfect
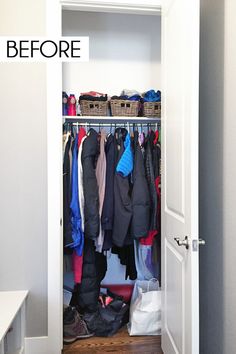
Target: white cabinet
[[12, 322]]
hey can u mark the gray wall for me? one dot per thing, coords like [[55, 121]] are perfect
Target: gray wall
[[218, 177], [23, 183]]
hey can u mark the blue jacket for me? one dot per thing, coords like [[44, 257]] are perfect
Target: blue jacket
[[77, 234], [126, 163]]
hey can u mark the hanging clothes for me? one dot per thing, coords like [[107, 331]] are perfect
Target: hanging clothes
[[101, 181], [140, 194], [91, 197], [127, 258], [156, 197], [77, 260], [65, 140], [77, 233], [67, 229], [143, 261], [122, 199], [156, 155], [87, 293], [82, 136], [151, 180], [157, 176], [126, 162], [77, 267], [108, 204], [112, 194]]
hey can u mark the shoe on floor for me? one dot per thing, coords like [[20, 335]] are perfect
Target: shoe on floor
[[74, 327]]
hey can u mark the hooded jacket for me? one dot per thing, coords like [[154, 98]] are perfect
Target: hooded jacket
[[91, 197], [140, 194]]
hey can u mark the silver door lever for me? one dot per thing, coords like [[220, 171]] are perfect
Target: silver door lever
[[184, 242]]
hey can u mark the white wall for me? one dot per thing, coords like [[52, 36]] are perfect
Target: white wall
[[218, 176], [125, 52], [23, 184]]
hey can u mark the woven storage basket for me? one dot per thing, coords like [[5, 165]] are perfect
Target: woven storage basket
[[93, 108], [124, 108], [152, 109]]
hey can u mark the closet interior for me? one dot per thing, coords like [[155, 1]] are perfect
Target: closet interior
[[117, 164]]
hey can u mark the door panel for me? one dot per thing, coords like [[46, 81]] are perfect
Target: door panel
[[174, 140], [180, 59], [175, 297]]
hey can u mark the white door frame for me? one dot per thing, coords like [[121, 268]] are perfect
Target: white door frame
[[54, 175], [52, 344]]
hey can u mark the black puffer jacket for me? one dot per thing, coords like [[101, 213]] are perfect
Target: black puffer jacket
[[91, 198], [151, 181], [140, 194], [94, 269]]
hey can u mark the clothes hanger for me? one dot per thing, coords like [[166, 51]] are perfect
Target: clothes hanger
[[110, 131], [127, 127]]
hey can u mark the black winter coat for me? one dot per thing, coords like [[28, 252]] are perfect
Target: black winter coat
[[108, 205], [151, 181], [67, 230], [91, 198], [122, 199], [94, 269], [140, 194]]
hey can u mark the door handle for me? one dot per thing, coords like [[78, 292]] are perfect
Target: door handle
[[197, 243], [201, 242], [184, 242]]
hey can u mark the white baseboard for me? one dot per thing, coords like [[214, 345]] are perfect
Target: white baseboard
[[42, 345], [37, 345]]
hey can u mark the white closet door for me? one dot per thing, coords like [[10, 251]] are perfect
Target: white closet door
[[180, 41]]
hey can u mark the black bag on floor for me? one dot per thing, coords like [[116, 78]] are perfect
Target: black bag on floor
[[108, 319]]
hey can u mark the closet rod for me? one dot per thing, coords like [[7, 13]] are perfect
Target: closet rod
[[84, 124], [103, 119]]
